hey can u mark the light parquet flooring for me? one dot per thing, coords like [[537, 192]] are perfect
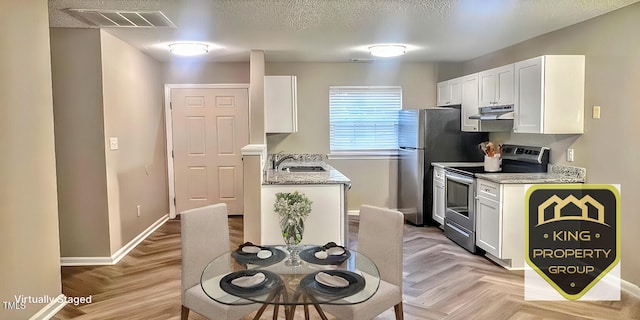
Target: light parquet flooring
[[441, 281]]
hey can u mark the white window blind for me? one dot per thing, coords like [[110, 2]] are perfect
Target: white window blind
[[364, 118]]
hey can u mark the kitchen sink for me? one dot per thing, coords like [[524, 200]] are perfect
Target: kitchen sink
[[304, 169]]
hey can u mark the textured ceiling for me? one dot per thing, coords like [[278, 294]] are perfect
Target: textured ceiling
[[340, 30]]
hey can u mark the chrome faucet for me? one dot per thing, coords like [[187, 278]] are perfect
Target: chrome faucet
[[281, 160]]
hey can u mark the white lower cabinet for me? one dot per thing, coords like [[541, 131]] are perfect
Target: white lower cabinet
[[488, 226], [325, 223], [438, 195], [500, 222]]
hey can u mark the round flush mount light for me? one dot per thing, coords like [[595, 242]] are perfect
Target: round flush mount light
[[387, 50], [189, 48]]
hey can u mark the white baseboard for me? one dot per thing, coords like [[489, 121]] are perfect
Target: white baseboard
[[630, 288], [356, 212], [118, 255], [85, 261], [51, 309]]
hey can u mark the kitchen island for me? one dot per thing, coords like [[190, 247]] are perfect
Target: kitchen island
[[327, 189]]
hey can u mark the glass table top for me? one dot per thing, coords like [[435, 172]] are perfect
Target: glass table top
[[286, 284]]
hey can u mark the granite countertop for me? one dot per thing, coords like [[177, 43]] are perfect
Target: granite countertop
[[528, 178], [555, 174], [330, 176]]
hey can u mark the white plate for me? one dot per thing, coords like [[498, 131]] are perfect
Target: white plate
[[251, 249], [249, 281], [335, 251], [264, 254], [331, 281]]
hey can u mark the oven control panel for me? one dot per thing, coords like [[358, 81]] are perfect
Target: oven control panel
[[525, 153]]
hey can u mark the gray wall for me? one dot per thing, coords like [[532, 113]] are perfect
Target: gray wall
[[134, 113], [608, 147], [28, 200], [105, 88], [185, 71], [418, 81], [373, 181], [80, 152]]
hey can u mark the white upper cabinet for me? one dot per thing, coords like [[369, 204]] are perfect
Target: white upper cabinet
[[549, 95], [496, 86], [443, 93], [449, 92], [280, 104], [469, 85], [461, 91]]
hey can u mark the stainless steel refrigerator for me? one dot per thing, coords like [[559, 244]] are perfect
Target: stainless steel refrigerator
[[426, 136]]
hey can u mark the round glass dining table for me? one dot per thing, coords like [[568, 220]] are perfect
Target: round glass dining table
[[282, 281]]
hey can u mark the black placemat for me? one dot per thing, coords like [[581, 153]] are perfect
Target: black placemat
[[308, 255], [252, 258], [356, 284], [272, 281]]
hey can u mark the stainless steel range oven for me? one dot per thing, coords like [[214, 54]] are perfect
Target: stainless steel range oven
[[460, 213]]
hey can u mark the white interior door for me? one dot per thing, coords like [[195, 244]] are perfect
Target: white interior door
[[210, 125]]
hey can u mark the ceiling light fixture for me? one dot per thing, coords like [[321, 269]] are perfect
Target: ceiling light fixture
[[189, 48], [387, 50]]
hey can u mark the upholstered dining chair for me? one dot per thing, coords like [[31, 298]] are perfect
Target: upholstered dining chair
[[379, 238], [205, 235]]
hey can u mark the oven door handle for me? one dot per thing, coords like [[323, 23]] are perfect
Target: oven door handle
[[458, 178]]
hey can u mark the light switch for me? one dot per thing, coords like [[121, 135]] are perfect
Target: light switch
[[570, 155], [596, 112], [113, 143]]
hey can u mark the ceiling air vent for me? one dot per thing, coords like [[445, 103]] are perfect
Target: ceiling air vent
[[123, 19]]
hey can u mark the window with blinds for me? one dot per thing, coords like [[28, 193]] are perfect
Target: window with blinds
[[364, 118]]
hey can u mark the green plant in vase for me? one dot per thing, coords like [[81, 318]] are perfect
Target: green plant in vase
[[293, 209]]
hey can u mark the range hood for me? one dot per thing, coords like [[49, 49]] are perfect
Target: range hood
[[500, 112]]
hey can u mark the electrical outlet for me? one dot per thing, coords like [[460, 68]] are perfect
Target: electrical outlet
[[139, 213], [596, 112], [570, 155]]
